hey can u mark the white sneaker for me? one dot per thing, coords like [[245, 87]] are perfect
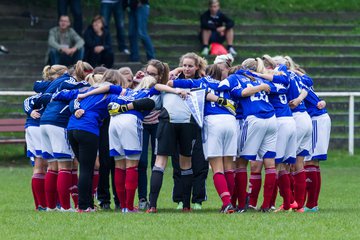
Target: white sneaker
[[126, 51], [52, 209], [232, 51], [205, 51], [66, 210]]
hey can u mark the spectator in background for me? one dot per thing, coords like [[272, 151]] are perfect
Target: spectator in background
[[76, 10], [138, 23], [216, 27], [65, 45], [98, 49], [115, 7]]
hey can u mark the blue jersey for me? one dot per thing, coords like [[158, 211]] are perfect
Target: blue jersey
[[278, 97], [312, 99], [211, 85], [29, 105], [41, 86], [257, 104], [130, 96], [57, 112], [294, 89]]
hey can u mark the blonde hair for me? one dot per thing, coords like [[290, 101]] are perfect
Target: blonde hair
[[162, 68], [146, 83], [114, 77], [82, 69], [53, 72], [200, 62], [214, 71], [268, 61], [126, 71], [94, 79], [255, 64], [211, 2], [99, 70]]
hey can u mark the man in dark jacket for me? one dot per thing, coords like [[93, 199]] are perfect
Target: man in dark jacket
[[216, 27]]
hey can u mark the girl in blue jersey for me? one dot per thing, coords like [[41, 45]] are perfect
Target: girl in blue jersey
[[34, 109], [54, 144], [125, 136], [286, 141], [321, 127], [259, 131], [219, 140], [297, 91]]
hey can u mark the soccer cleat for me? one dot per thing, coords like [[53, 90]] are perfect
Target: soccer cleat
[[197, 206], [205, 51], [3, 49], [294, 205], [186, 210], [105, 207], [232, 51], [151, 210], [143, 204], [180, 206], [66, 210], [41, 209], [228, 209], [240, 210], [265, 210], [88, 210], [52, 209], [281, 209], [314, 209], [300, 210], [117, 208], [126, 210], [273, 208], [252, 208]]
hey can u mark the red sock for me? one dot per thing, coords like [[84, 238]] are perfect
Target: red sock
[[222, 188], [291, 178], [254, 185], [34, 192], [318, 174], [95, 182], [50, 188], [64, 183], [131, 184], [311, 185], [241, 184], [235, 194], [74, 188], [38, 187], [284, 187], [274, 194], [300, 187], [230, 180], [270, 178], [119, 180]]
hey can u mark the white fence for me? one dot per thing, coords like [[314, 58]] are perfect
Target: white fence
[[351, 96]]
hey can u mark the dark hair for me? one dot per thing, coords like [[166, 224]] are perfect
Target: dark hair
[[213, 71], [98, 17]]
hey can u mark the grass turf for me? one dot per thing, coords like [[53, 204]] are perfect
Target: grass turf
[[338, 217]]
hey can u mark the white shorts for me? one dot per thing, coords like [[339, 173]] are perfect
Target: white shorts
[[219, 136], [320, 137], [33, 141], [303, 133], [258, 138], [54, 144], [240, 124], [125, 137], [286, 140]]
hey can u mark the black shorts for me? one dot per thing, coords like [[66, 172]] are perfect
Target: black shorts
[[170, 135]]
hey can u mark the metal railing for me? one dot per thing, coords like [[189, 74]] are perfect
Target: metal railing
[[351, 96]]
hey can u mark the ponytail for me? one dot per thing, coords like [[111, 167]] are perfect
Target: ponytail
[[53, 72], [82, 69]]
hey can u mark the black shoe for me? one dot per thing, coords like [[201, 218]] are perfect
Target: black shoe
[[105, 207], [117, 207], [265, 210], [228, 209]]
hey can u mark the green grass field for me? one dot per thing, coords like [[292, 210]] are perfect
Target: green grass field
[[338, 217]]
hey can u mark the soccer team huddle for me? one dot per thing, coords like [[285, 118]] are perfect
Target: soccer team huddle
[[264, 111]]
